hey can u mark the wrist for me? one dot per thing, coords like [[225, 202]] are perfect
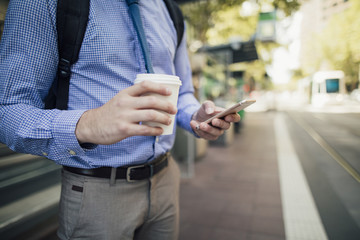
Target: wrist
[[82, 130], [194, 116]]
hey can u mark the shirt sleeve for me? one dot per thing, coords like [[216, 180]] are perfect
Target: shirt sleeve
[[187, 103], [28, 64]]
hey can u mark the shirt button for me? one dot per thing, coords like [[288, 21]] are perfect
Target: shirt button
[[72, 152], [44, 153]]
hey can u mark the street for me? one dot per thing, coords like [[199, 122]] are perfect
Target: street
[[328, 148], [287, 175]]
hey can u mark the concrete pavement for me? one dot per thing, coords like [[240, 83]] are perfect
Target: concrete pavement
[[235, 192]]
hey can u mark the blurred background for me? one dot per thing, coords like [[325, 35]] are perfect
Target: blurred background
[[290, 168]]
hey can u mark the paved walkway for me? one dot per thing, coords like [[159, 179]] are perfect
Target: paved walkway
[[235, 193]]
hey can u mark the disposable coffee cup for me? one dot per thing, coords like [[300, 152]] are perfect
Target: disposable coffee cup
[[173, 83]]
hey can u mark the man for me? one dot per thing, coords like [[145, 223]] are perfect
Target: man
[[118, 180]]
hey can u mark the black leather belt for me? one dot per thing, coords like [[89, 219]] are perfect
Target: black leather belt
[[130, 173]]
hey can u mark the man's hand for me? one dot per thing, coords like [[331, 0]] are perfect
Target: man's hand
[[217, 127], [119, 118]]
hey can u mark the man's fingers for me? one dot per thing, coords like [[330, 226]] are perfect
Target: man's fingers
[[150, 115], [206, 131], [153, 102], [211, 130], [144, 130], [232, 118], [146, 87], [224, 125], [209, 107]]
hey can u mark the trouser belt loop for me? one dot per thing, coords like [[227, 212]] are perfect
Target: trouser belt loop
[[113, 176]]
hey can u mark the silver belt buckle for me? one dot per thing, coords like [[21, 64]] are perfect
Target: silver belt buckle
[[128, 172]]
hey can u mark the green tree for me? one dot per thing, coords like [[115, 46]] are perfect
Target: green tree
[[341, 46], [337, 46], [224, 28], [203, 15], [214, 22]]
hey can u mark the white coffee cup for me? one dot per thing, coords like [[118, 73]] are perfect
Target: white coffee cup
[[173, 83]]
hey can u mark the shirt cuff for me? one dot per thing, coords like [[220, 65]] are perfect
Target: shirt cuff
[[63, 129], [185, 113]]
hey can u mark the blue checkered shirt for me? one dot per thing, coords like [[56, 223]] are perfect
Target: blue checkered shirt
[[109, 59]]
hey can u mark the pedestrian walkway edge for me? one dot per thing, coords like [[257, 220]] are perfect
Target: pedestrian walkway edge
[[301, 218]]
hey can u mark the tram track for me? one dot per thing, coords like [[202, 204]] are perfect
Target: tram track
[[326, 146]]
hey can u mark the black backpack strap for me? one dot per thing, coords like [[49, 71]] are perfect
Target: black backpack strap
[[72, 17], [177, 18]]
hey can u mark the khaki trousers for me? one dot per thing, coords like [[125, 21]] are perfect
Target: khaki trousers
[[92, 208]]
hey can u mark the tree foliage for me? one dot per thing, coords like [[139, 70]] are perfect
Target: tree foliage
[[337, 46], [215, 22], [204, 15], [230, 23]]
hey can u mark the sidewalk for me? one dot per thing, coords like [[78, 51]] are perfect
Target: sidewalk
[[235, 193]]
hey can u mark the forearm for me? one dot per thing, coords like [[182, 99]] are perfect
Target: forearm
[[49, 133]]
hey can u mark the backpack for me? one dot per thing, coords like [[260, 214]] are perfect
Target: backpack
[[71, 21]]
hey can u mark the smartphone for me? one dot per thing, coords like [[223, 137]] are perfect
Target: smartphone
[[233, 109]]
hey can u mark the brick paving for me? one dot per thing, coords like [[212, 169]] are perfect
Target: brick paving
[[235, 192]]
